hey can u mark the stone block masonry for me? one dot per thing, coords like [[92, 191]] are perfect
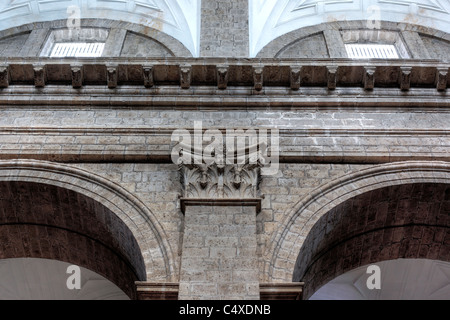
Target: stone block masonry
[[219, 254], [103, 129], [224, 30]]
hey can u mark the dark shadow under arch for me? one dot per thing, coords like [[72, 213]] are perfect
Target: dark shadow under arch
[[403, 221], [45, 221]]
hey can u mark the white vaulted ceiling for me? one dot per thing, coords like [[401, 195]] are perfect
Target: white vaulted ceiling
[[402, 279], [270, 19], [177, 18], [43, 279]]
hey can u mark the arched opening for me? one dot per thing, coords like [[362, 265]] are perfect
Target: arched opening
[[400, 279], [43, 221], [407, 221]]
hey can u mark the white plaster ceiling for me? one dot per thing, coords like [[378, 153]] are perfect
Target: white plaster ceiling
[[402, 279], [270, 19], [43, 279], [177, 18]]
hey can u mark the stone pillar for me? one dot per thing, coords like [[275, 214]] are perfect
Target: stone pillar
[[219, 253], [113, 45], [224, 28], [335, 44], [33, 45], [219, 259], [415, 45]]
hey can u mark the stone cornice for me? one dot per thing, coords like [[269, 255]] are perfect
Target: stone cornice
[[310, 132], [215, 99], [349, 145], [223, 74], [220, 182]]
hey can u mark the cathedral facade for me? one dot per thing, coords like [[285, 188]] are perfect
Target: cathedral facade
[[245, 149]]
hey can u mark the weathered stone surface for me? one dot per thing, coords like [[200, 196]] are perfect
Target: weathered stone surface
[[135, 45], [311, 47], [349, 129], [224, 29], [219, 254]]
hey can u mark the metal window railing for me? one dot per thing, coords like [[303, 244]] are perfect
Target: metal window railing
[[371, 51], [77, 50]]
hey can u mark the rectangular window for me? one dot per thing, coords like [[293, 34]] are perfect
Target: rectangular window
[[371, 51], [77, 50]]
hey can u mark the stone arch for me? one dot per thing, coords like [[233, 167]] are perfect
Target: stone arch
[[160, 263], [312, 41], [149, 36], [281, 254], [406, 221]]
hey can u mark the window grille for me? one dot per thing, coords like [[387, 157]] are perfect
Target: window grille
[[77, 50], [371, 51]]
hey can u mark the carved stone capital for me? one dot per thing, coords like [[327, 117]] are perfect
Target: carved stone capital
[[234, 181]]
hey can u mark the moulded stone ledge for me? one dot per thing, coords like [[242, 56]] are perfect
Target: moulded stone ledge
[[170, 291], [220, 202]]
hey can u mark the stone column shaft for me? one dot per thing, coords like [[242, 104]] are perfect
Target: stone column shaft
[[219, 259]]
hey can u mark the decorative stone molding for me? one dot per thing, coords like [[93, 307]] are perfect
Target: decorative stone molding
[[185, 76], [295, 78], [405, 78], [148, 76], [230, 74], [255, 202], [332, 77], [441, 79], [220, 181], [258, 78], [77, 76], [39, 76], [222, 77], [169, 291], [112, 76], [281, 291], [221, 184], [157, 291], [369, 78], [4, 76]]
